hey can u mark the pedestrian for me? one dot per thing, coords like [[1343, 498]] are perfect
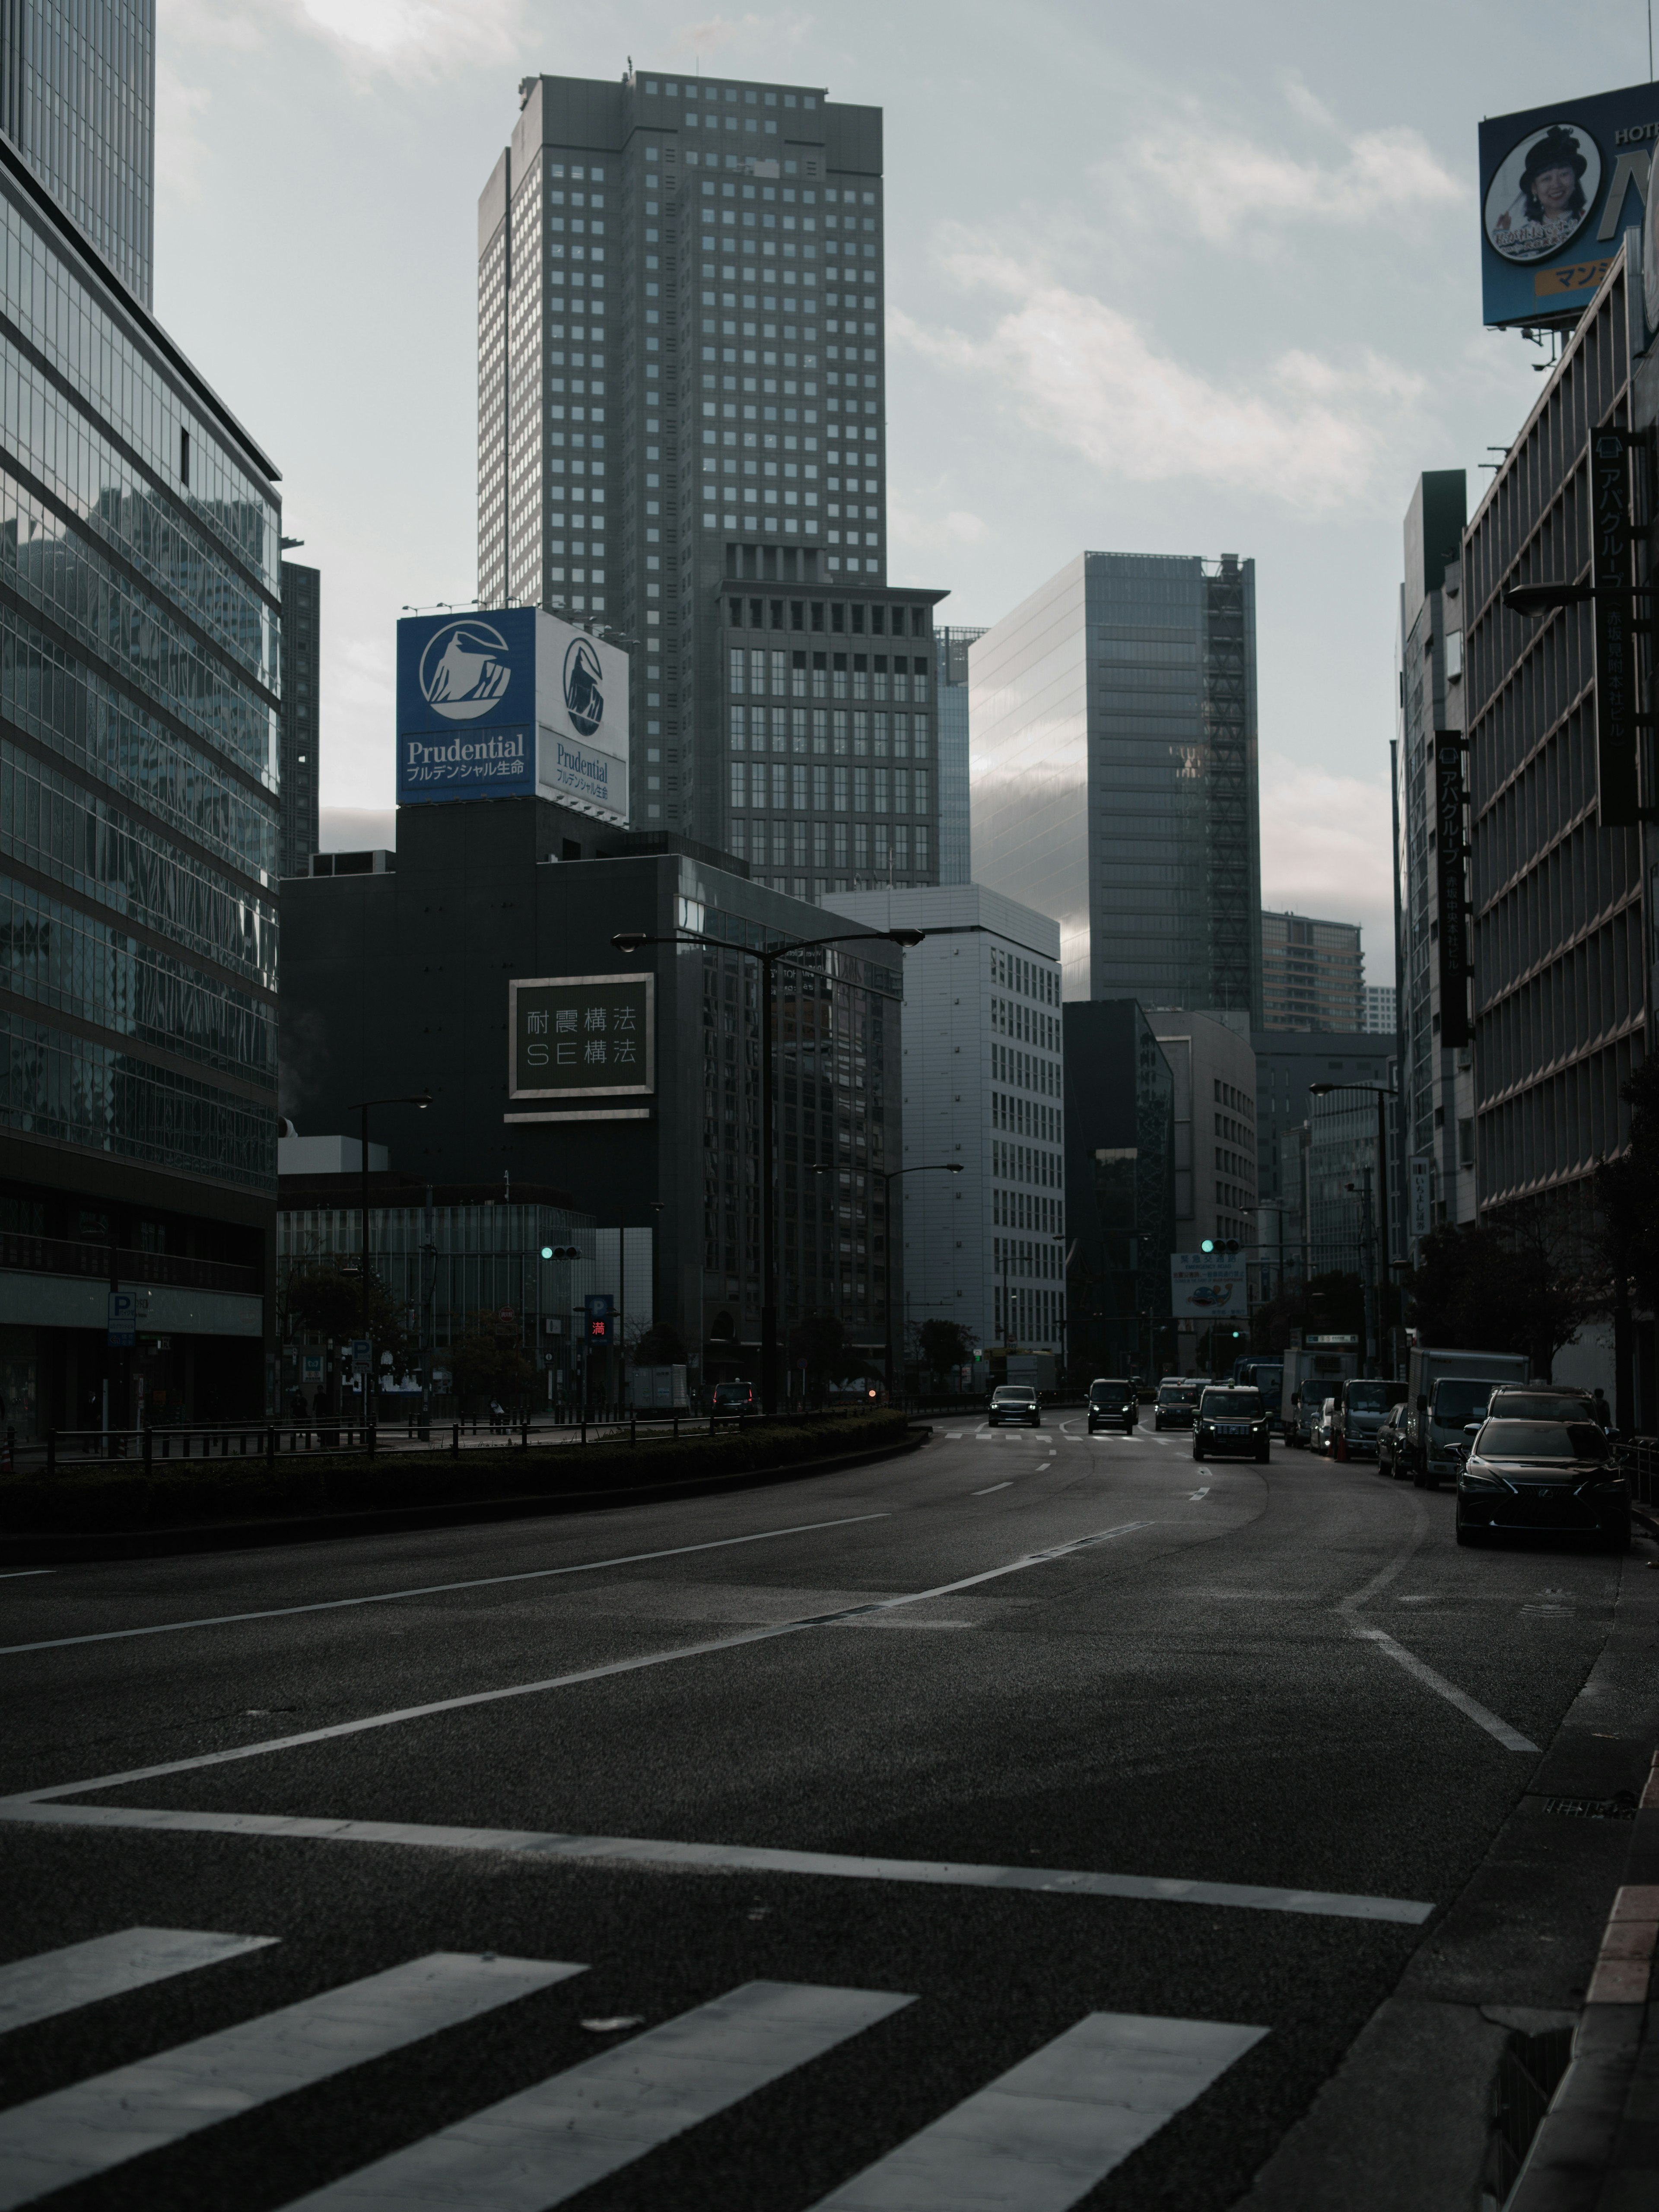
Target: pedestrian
[[1602, 1410], [497, 1417]]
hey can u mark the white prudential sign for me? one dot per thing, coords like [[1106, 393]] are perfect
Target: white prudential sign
[[581, 719]]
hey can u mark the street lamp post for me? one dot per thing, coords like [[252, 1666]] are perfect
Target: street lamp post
[[1383, 1092], [769, 956], [360, 1107], [890, 1176], [566, 1252]]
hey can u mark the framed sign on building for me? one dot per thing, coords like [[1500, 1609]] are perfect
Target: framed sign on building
[[579, 1046]]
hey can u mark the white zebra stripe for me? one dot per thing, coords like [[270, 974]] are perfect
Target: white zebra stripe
[[107, 1965]]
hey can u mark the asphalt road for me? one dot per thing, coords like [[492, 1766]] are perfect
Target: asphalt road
[[1139, 1782]]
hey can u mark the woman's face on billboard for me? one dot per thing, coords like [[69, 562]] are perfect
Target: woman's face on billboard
[[1552, 189]]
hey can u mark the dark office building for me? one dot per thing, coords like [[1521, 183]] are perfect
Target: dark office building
[[1120, 1191], [407, 977], [297, 760], [139, 688], [682, 413]]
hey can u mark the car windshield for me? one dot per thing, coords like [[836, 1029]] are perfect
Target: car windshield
[[1541, 1440], [1019, 1394], [1539, 1406], [1232, 1405], [1459, 1399], [1365, 1397], [1108, 1394], [731, 1391], [1177, 1393]]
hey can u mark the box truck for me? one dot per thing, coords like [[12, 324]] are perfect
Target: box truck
[[1312, 1373], [1446, 1389]]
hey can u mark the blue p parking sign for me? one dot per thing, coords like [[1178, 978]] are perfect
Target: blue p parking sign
[[123, 1317]]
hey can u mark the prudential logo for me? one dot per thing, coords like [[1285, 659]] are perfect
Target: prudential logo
[[584, 687], [465, 669]]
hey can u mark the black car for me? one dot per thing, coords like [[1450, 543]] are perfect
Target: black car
[[739, 1398], [1231, 1421], [1113, 1401], [1391, 1442], [1529, 1475], [1543, 1401], [1174, 1404], [1014, 1402]]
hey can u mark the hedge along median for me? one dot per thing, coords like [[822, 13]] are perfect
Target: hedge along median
[[232, 1498]]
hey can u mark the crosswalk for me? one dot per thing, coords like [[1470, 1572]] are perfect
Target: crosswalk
[[1036, 2139]]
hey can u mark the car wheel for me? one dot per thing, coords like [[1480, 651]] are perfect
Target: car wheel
[[1262, 1455], [1197, 1450], [1468, 1536], [1419, 1480], [1128, 1428]]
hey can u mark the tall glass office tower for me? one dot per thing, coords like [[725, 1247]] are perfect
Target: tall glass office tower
[[77, 100], [1113, 782], [954, 840], [140, 603], [682, 435]]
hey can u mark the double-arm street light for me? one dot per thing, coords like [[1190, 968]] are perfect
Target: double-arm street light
[[423, 1099], [1383, 1092], [629, 940], [890, 1176]]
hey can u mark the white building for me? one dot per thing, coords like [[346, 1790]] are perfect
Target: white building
[[1379, 1009], [984, 1089]]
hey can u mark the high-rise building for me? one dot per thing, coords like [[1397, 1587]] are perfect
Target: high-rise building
[[1379, 1009], [302, 609], [1213, 1063], [138, 746], [983, 1090], [1119, 1192], [955, 838], [1114, 775], [682, 437], [1313, 974], [78, 102]]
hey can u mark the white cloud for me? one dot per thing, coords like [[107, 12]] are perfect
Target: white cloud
[[926, 526], [1325, 841], [179, 153], [359, 707], [717, 32], [1230, 187], [1312, 432], [417, 37]]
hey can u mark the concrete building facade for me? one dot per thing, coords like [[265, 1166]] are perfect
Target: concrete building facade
[[1313, 974], [954, 832], [984, 1090], [1213, 1064], [1114, 775], [298, 760]]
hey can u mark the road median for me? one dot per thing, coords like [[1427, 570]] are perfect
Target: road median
[[127, 1512]]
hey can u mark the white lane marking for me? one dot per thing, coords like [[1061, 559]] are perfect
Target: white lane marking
[[731, 1858], [1195, 1495], [21, 1574], [570, 1681], [1043, 2134], [1511, 1739], [96, 2125], [543, 2146], [437, 1590], [54, 1982], [954, 1436], [993, 1487]]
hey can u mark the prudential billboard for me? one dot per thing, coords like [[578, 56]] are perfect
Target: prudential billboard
[[511, 703], [1558, 186]]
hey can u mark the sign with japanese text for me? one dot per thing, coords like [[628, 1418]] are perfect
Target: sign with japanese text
[[1615, 673], [1450, 792], [1419, 1213], [577, 1037], [1206, 1285], [1559, 186], [599, 1312]]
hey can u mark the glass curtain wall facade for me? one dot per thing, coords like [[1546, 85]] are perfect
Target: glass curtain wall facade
[[302, 615], [139, 718], [681, 387], [77, 100], [1114, 775], [955, 837], [1560, 968], [1119, 1192], [1312, 973]]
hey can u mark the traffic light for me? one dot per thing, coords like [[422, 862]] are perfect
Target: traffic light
[[1227, 1244], [1208, 1245]]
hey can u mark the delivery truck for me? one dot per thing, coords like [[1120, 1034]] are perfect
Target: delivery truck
[[1446, 1389], [1311, 1375]]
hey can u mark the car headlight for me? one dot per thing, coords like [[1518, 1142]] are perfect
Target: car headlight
[[1610, 1483], [1468, 1480]]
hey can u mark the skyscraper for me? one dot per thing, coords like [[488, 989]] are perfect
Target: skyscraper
[[682, 436], [1313, 974], [77, 101], [955, 840], [303, 610], [1114, 775], [138, 757]]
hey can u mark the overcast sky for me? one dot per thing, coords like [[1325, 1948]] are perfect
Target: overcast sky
[[1183, 278]]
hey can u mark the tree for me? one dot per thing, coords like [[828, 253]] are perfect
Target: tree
[[1508, 1284], [661, 1346], [820, 1343], [322, 1298], [1330, 1305], [488, 1362], [941, 1344]]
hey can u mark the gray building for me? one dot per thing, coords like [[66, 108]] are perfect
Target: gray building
[[404, 977], [955, 837], [140, 591], [683, 437], [78, 102], [1119, 1192], [1380, 1009], [300, 767], [1438, 1128], [1114, 775], [1287, 1061], [1213, 1063], [1312, 973]]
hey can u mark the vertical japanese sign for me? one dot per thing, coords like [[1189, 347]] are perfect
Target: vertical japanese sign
[[578, 1037], [1419, 1215], [1615, 694], [1450, 792]]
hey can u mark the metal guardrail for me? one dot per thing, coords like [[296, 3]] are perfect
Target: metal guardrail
[[1641, 1456], [68, 1256], [273, 1442]]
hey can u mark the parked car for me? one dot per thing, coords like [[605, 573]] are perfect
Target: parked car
[[1113, 1400], [1014, 1402], [1231, 1420], [1391, 1443], [1320, 1439], [1541, 1401], [1175, 1402], [739, 1398], [1528, 1475]]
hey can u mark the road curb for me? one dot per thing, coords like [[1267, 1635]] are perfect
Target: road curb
[[1595, 2150], [55, 1550]]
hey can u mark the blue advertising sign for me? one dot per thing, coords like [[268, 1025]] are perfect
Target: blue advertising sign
[[1558, 186], [508, 703]]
